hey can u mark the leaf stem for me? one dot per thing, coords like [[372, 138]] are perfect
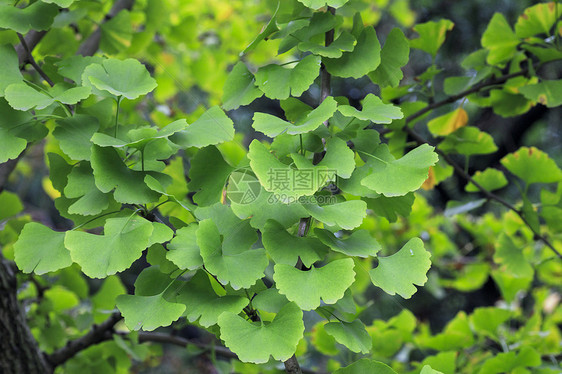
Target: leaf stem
[[93, 219], [118, 100]]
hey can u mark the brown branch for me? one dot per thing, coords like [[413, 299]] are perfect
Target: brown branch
[[32, 38], [97, 334], [92, 43], [32, 61]]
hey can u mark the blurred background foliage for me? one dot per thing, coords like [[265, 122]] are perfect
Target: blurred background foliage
[[190, 46]]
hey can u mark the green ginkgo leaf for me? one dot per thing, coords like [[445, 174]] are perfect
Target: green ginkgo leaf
[[278, 82], [347, 215], [110, 173], [317, 4], [122, 243], [116, 33], [81, 185], [183, 250], [306, 288], [432, 35], [211, 128], [532, 165], [373, 110], [339, 159], [491, 179], [121, 78], [61, 3], [74, 135], [276, 176], [360, 243], [547, 92], [228, 255], [397, 274], [392, 177], [148, 312], [40, 250], [366, 366], [468, 140], [344, 43], [500, 40], [37, 16], [257, 341], [429, 370], [239, 88], [10, 67], [208, 175], [204, 304], [273, 126], [365, 57], [22, 97], [353, 335], [394, 55], [12, 141], [285, 248]]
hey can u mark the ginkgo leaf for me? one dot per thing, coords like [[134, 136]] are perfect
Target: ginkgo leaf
[[317, 4], [211, 128], [285, 248], [40, 250], [511, 258], [12, 141], [468, 140], [203, 304], [122, 243], [537, 19], [397, 274], [532, 165], [306, 288], [491, 179], [429, 370], [344, 43], [81, 185], [373, 110], [183, 249], [239, 88], [273, 126], [347, 215], [10, 71], [257, 341], [366, 366], [339, 159], [228, 254], [22, 97], [148, 312], [128, 78], [208, 175], [276, 176], [139, 138], [500, 40], [111, 173], [365, 57], [432, 35], [278, 82], [37, 16], [74, 135], [547, 92], [353, 335], [448, 123], [392, 177], [394, 55], [360, 243], [116, 33]]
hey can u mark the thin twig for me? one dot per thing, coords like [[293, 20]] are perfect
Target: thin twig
[[33, 62]]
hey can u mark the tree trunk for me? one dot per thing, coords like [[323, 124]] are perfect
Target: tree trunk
[[19, 353]]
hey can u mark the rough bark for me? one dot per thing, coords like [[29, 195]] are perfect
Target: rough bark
[[19, 352]]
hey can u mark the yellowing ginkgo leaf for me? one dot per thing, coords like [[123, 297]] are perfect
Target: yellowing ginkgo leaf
[[448, 123], [431, 181]]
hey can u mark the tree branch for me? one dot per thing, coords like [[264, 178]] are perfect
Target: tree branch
[[92, 43], [32, 61], [97, 334], [32, 38]]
